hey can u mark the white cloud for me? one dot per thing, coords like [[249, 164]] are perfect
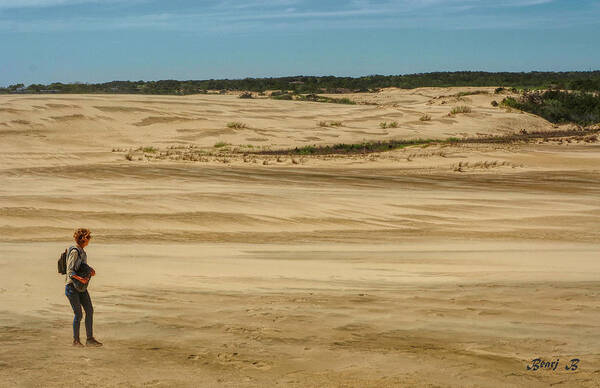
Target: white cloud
[[240, 5], [296, 15], [48, 3]]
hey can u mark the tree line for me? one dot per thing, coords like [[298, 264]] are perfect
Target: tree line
[[575, 80]]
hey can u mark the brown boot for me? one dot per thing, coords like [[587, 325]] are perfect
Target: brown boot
[[92, 342], [77, 343]]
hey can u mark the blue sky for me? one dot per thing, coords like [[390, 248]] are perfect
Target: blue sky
[[102, 40]]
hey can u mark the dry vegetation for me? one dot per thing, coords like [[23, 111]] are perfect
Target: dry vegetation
[[329, 123], [236, 125], [578, 134], [391, 124], [460, 109]]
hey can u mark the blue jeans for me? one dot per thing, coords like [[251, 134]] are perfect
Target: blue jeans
[[77, 300]]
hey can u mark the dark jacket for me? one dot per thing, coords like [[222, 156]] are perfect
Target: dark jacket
[[84, 271]]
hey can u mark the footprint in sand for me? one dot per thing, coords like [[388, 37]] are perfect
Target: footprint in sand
[[234, 359], [227, 357], [261, 365], [196, 356]]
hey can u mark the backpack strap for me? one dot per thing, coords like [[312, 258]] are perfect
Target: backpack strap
[[76, 267]]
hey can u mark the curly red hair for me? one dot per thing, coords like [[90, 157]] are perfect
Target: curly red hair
[[81, 235]]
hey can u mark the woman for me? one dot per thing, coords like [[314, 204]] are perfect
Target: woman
[[77, 280]]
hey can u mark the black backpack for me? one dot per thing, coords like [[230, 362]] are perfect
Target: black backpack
[[62, 261]]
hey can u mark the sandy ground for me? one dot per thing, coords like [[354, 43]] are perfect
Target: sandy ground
[[393, 269]]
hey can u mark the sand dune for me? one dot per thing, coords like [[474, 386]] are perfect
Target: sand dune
[[392, 269], [132, 121]]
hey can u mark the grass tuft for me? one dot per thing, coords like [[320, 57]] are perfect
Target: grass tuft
[[385, 124], [236, 125], [460, 109], [462, 94], [330, 123]]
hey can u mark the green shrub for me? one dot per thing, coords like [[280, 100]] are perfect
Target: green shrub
[[425, 117], [558, 106], [221, 144]]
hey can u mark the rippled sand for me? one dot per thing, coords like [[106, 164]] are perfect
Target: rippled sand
[[378, 270]]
